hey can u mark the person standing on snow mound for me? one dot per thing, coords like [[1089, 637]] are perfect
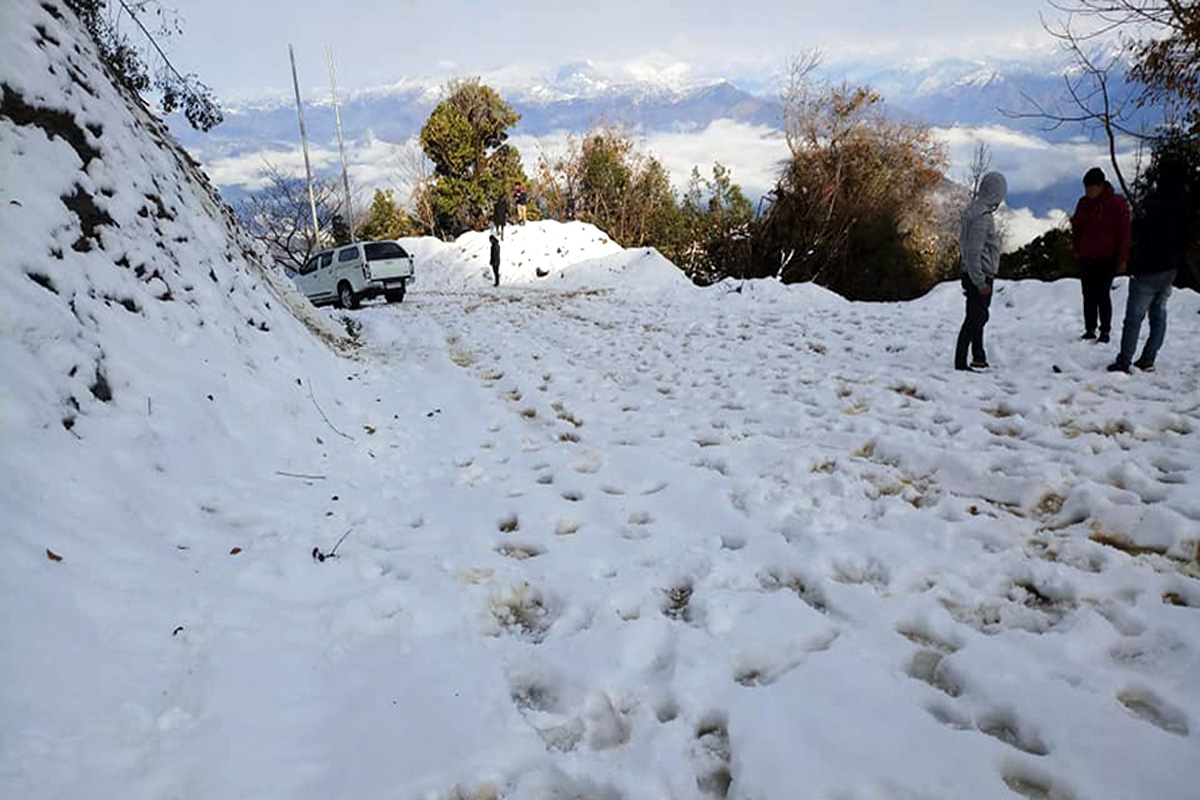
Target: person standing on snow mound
[[1164, 234], [979, 245], [500, 215], [522, 205], [1101, 237], [495, 258]]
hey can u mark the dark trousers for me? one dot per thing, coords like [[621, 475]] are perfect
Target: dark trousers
[[496, 272], [970, 336], [1097, 277]]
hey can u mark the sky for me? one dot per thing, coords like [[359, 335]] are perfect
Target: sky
[[240, 47], [377, 43]]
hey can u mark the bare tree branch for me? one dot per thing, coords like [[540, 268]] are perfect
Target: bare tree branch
[[278, 215]]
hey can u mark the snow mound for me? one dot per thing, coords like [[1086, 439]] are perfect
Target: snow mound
[[530, 254], [772, 290], [643, 269]]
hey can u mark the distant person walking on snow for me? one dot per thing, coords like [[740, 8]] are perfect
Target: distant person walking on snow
[[1101, 236], [522, 205], [1164, 235], [979, 245], [500, 215], [495, 257]]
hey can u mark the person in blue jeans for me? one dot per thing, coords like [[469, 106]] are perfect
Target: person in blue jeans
[[1163, 240]]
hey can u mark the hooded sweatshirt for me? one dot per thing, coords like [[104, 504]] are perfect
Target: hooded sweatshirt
[[1165, 228], [1100, 227], [979, 242]]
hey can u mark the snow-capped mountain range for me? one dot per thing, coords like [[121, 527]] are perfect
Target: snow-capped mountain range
[[945, 92], [679, 99]]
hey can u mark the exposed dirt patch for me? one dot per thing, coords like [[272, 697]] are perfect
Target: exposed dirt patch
[[42, 281], [91, 217], [56, 124]]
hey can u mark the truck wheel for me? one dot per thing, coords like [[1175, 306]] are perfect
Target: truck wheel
[[346, 296]]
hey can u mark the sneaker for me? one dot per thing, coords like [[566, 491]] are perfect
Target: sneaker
[[979, 365], [1104, 339], [963, 368], [1117, 366], [1144, 366], [1088, 335]]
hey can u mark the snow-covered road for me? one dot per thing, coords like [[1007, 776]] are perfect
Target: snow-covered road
[[689, 543], [642, 544]]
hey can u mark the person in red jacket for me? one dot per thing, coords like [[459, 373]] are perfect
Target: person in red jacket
[[1100, 232]]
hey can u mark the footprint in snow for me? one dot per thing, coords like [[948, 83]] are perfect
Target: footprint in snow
[[519, 552], [1150, 708], [949, 716], [921, 635], [566, 527], [714, 757], [758, 672], [1033, 785], [635, 533], [1007, 728], [588, 466], [732, 542], [929, 666]]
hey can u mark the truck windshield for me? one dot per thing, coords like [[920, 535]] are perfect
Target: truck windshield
[[378, 251]]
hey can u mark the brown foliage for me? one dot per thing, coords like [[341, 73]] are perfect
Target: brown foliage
[[853, 207], [605, 180]]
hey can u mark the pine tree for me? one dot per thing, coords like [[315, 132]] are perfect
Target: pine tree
[[385, 219], [465, 138]]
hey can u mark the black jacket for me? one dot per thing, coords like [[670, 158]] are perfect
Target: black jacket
[[1163, 234], [495, 254], [500, 212]]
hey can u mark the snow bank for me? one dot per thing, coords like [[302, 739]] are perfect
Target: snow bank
[[771, 290], [635, 270], [534, 254], [145, 349]]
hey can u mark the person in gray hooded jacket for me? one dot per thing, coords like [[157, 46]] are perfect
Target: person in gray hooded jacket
[[979, 245]]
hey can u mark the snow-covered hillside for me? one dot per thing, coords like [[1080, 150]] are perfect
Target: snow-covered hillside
[[598, 534]]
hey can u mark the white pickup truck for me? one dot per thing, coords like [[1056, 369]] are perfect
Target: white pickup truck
[[356, 272]]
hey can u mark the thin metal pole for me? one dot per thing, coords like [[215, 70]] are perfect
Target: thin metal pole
[[312, 200], [337, 116]]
